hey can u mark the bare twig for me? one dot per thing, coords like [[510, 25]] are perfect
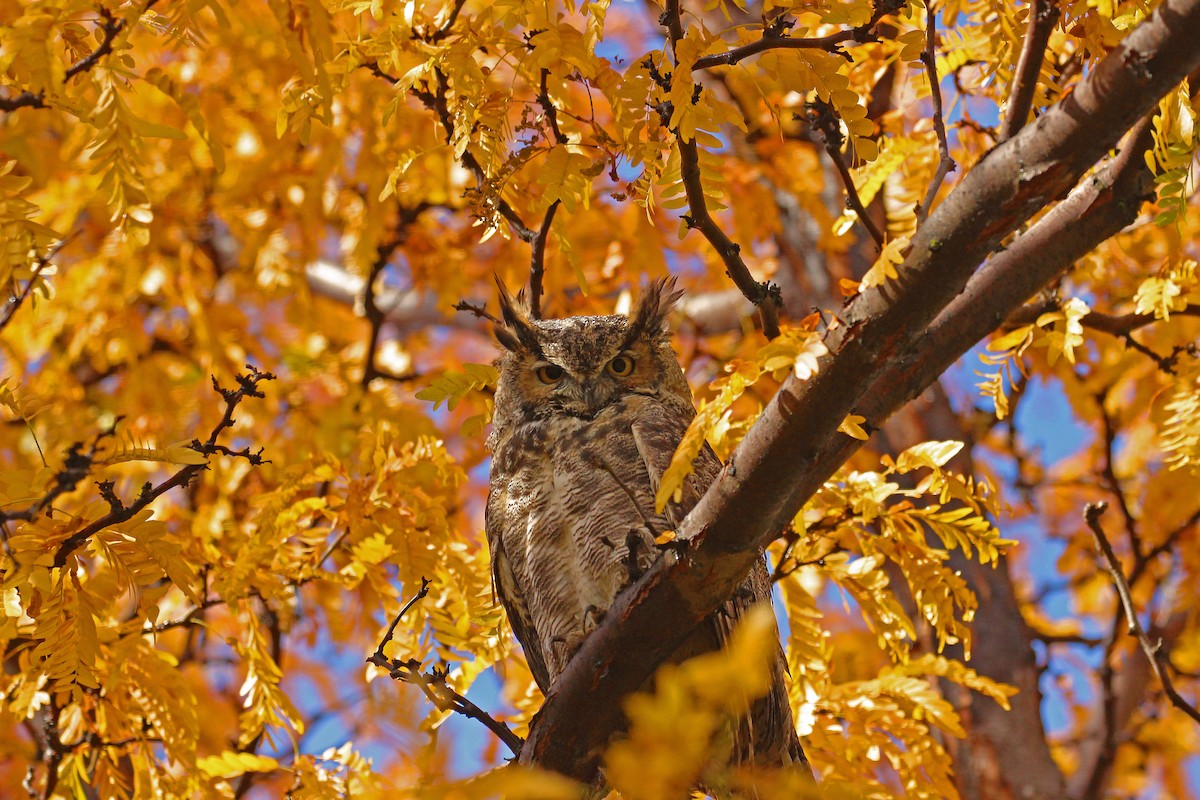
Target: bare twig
[[537, 262], [76, 465], [436, 102], [1043, 14], [479, 311], [439, 104], [764, 295], [1112, 482], [945, 162], [1159, 662], [549, 109], [444, 31], [374, 314], [433, 682], [1112, 324], [247, 387], [775, 38], [1068, 638], [15, 302], [1164, 546], [111, 28], [186, 619], [824, 120], [421, 594], [1120, 326]]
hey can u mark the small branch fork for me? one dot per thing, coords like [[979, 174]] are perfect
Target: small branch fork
[[1159, 661], [374, 314], [764, 295], [537, 262], [436, 102], [111, 27], [78, 464], [1121, 326], [16, 301], [433, 682], [824, 120], [946, 164], [478, 311], [774, 38]]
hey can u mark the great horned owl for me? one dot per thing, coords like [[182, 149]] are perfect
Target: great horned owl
[[588, 412]]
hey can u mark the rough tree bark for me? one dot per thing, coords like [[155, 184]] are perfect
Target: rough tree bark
[[892, 343]]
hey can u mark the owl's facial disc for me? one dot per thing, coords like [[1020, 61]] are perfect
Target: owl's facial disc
[[585, 392]]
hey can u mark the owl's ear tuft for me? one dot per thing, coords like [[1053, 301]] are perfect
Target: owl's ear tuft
[[517, 332], [650, 316]]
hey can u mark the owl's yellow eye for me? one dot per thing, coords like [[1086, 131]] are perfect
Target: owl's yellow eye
[[621, 366], [549, 373]]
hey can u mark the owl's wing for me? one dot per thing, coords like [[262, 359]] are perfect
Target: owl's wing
[[506, 587], [656, 434]]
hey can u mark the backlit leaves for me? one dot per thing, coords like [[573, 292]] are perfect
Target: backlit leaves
[[1175, 144], [1180, 433], [682, 729], [1170, 291], [199, 169]]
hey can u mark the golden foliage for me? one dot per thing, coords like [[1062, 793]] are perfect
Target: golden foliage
[[174, 179]]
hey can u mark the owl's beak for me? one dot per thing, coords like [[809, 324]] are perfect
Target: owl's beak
[[594, 397]]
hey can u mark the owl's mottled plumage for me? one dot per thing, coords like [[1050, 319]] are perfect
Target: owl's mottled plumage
[[588, 412]]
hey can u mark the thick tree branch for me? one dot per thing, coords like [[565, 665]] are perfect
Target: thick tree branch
[[875, 365], [1043, 14]]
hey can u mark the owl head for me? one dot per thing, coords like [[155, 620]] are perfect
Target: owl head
[[579, 366]]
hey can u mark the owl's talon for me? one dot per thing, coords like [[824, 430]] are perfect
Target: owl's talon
[[564, 648], [633, 547], [592, 617]]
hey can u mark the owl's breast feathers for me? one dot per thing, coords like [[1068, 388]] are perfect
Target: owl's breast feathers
[[571, 521]]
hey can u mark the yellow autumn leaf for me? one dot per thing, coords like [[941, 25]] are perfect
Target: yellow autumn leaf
[[927, 454], [852, 426], [884, 268], [231, 763]]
